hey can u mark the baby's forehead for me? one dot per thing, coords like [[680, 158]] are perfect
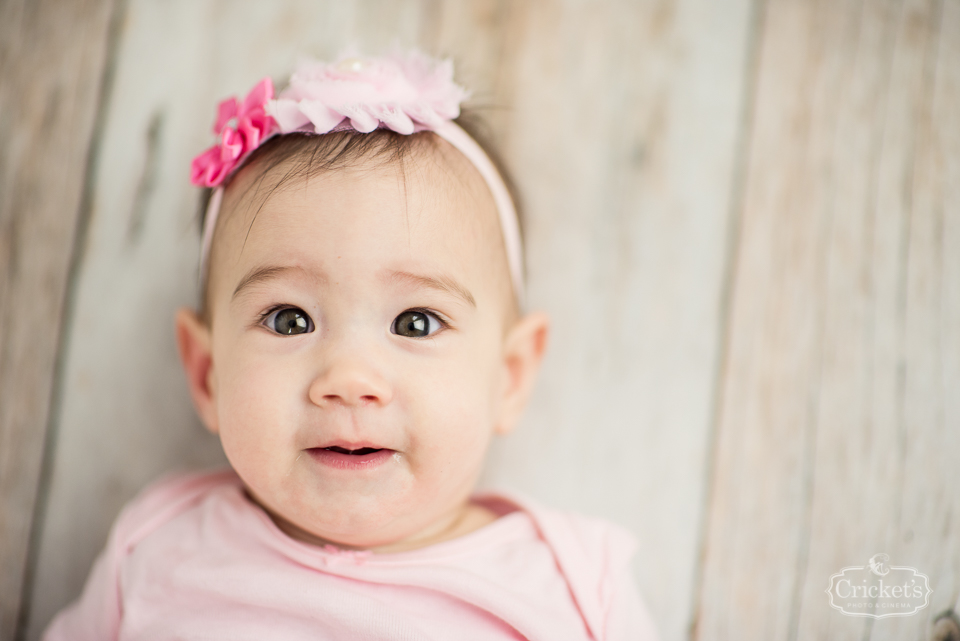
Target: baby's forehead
[[428, 191]]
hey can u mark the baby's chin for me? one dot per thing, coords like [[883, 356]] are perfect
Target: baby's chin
[[377, 524]]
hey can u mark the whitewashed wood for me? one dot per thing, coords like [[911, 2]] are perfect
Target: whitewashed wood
[[624, 136], [834, 441], [926, 533], [52, 57], [621, 121]]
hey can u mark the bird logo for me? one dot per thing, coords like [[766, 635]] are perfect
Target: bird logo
[[880, 564]]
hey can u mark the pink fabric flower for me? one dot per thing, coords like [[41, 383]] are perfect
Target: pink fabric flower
[[242, 127], [403, 92]]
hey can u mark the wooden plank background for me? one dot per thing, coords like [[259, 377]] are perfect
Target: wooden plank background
[[743, 217], [838, 435], [53, 60]]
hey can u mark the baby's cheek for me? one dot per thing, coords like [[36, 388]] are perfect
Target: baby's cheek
[[251, 418], [460, 414]]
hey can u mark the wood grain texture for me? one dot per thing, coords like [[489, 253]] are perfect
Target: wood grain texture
[[837, 437], [626, 117], [621, 121], [52, 61]]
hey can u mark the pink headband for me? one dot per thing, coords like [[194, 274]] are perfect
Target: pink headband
[[406, 93]]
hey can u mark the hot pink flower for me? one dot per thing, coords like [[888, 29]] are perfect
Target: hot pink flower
[[242, 127]]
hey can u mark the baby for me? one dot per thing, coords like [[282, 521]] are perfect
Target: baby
[[360, 340]]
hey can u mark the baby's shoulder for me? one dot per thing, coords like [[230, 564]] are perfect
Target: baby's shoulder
[[594, 556], [164, 500], [588, 538]]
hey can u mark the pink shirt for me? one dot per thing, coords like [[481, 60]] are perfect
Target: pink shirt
[[193, 558]]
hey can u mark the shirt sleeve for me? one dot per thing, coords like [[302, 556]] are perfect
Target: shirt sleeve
[[97, 615]]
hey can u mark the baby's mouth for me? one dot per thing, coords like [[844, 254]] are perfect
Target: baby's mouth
[[351, 458], [360, 452]]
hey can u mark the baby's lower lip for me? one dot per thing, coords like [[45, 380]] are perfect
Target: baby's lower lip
[[341, 459]]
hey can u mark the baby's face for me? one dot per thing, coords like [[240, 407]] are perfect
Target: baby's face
[[360, 347]]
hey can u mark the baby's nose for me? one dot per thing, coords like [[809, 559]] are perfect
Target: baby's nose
[[349, 381]]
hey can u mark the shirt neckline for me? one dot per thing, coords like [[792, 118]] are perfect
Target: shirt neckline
[[513, 523]]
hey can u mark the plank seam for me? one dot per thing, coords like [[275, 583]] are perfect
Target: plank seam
[[734, 214]]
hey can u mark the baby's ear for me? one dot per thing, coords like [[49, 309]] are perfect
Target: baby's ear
[[193, 339], [523, 351]]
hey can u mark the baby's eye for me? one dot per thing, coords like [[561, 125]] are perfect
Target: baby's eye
[[415, 324], [289, 321]]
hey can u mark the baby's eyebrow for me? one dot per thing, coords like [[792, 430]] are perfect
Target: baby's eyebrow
[[440, 283], [261, 274]]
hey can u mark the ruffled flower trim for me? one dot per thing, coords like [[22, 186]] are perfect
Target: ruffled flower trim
[[404, 92]]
